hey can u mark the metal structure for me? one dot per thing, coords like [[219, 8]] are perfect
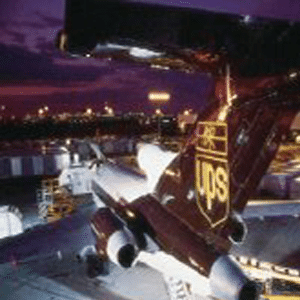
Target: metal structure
[[54, 202]]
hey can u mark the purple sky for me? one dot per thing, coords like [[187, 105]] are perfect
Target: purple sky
[[33, 73], [283, 9]]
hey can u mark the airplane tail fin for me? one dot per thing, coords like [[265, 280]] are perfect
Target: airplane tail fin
[[233, 143]]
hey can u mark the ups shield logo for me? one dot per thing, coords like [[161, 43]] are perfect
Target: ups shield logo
[[211, 171]]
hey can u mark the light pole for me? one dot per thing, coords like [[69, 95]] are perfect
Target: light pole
[[158, 99]]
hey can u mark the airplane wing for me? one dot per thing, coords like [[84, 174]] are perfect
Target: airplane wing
[[36, 258], [57, 260], [64, 279], [272, 236], [179, 35]]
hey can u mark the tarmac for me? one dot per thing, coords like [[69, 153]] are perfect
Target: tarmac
[[273, 235]]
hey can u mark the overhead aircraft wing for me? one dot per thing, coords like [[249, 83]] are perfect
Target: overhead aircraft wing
[[44, 251], [179, 35]]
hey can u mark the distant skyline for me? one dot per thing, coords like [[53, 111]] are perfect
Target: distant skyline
[[34, 73]]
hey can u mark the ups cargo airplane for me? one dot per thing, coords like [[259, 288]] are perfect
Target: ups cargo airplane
[[187, 204]]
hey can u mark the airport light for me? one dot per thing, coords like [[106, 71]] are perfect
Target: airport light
[[89, 111], [247, 19], [109, 110], [187, 112], [158, 112], [41, 111], [159, 98]]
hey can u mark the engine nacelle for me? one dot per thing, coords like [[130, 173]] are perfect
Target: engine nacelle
[[228, 282], [122, 248], [114, 240], [226, 279]]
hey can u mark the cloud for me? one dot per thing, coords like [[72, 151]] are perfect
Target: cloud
[[50, 21], [18, 37], [35, 25], [44, 46], [18, 63]]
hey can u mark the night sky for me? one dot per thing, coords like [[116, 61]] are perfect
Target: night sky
[[34, 73]]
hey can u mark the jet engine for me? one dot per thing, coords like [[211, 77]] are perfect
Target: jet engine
[[114, 240], [227, 281]]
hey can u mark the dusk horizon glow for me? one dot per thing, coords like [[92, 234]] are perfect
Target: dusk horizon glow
[[33, 72]]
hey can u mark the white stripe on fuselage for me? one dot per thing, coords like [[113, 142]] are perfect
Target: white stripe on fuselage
[[119, 182]]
